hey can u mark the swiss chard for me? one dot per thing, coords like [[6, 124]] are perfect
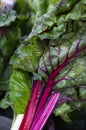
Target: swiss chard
[[51, 59]]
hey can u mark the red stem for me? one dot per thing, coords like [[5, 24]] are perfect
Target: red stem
[[44, 97], [31, 107]]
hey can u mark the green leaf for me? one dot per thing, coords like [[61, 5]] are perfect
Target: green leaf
[[22, 7], [5, 102], [26, 57], [7, 17], [37, 76], [20, 90], [38, 7], [74, 71], [9, 40], [82, 92], [54, 22], [78, 12], [8, 43], [63, 111], [76, 76], [4, 79]]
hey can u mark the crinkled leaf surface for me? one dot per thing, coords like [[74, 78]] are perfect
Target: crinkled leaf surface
[[20, 90], [8, 43], [23, 19], [5, 102], [38, 7], [70, 77], [6, 17], [26, 57], [82, 92], [55, 56], [4, 80], [63, 111], [54, 22]]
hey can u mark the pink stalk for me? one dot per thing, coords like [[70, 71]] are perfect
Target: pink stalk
[[44, 97], [31, 107], [44, 114]]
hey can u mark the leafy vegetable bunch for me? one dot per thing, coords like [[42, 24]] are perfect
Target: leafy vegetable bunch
[[43, 60]]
